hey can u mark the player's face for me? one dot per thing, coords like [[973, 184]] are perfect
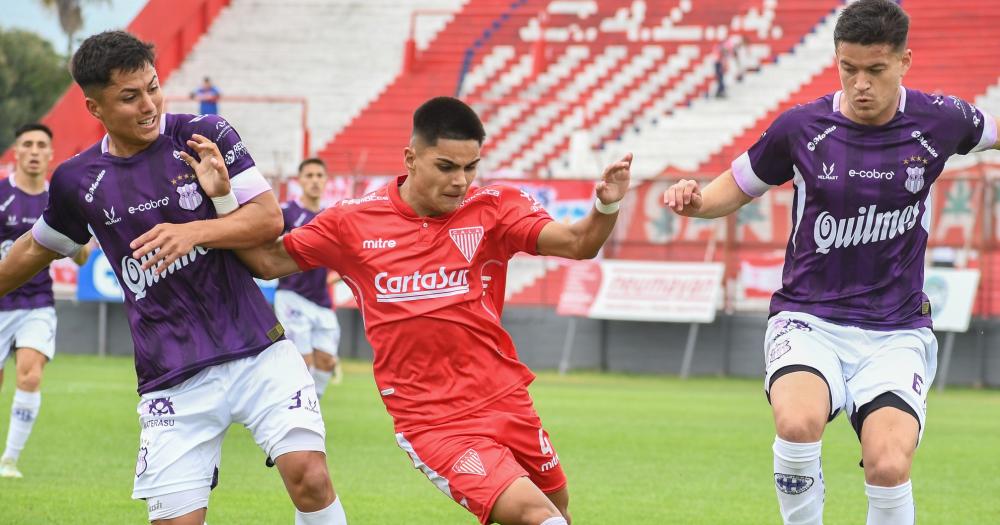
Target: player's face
[[130, 107], [871, 76], [312, 180], [33, 152], [440, 175]]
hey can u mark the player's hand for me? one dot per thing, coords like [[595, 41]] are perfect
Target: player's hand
[[209, 167], [167, 242], [684, 197], [615, 180]]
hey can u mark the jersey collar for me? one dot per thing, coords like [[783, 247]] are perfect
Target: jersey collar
[[106, 141]]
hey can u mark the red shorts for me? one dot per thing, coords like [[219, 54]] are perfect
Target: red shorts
[[475, 458]]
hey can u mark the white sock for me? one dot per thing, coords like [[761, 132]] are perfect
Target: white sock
[[555, 521], [891, 505], [798, 480], [322, 378], [332, 515], [23, 413]]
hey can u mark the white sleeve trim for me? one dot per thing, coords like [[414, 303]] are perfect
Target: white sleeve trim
[[54, 240], [989, 138], [248, 184], [746, 179]]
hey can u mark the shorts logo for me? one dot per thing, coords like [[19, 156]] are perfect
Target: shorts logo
[[140, 462], [160, 406], [311, 405], [918, 384], [783, 326], [467, 240], [778, 349], [792, 484], [470, 463]]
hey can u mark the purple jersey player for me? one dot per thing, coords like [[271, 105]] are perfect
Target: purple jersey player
[[302, 302], [27, 315], [850, 327], [208, 349]]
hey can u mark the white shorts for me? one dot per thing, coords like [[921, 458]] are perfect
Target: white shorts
[[35, 328], [180, 444], [309, 325], [858, 365]]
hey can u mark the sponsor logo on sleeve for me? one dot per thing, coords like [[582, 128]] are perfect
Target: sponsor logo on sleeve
[[89, 196], [811, 145], [6, 203]]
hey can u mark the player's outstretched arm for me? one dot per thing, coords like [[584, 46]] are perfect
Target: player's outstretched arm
[[583, 239], [268, 261], [25, 259], [719, 198]]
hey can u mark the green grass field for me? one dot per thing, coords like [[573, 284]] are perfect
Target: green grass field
[[637, 450]]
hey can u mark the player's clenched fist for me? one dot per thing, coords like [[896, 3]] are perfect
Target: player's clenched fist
[[684, 197]]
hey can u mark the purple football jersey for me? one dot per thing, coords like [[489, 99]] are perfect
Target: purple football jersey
[[206, 309], [312, 284], [20, 211], [861, 213]]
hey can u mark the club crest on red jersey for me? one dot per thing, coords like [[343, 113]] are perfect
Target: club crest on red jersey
[[467, 240], [470, 463]]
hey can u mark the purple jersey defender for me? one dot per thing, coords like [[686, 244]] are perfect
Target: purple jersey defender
[[861, 211], [19, 211], [206, 309], [310, 285]]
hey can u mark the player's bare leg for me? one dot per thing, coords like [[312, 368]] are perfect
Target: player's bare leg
[[192, 518], [24, 410], [522, 503], [888, 442], [801, 405], [560, 499], [307, 481], [322, 369]]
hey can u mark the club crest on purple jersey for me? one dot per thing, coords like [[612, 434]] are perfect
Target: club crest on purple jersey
[[190, 199], [161, 406], [915, 167]]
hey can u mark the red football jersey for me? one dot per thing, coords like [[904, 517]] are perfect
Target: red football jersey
[[431, 292]]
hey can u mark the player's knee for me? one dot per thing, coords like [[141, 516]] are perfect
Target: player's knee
[[887, 468], [536, 515], [798, 428], [311, 486], [29, 380]]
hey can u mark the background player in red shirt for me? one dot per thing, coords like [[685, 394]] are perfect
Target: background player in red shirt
[[427, 260]]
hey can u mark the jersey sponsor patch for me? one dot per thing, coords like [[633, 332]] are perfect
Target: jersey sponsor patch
[[470, 463], [792, 484]]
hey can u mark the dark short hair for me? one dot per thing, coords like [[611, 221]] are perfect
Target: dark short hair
[[312, 160], [447, 118], [33, 126], [871, 22], [100, 55]]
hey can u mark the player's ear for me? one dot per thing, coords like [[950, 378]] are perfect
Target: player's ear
[[93, 107], [906, 61], [410, 159]]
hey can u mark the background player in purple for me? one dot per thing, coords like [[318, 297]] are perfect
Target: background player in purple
[[27, 316], [850, 326], [302, 301], [208, 349]]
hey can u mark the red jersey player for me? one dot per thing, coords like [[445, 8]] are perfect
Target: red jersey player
[[427, 262]]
